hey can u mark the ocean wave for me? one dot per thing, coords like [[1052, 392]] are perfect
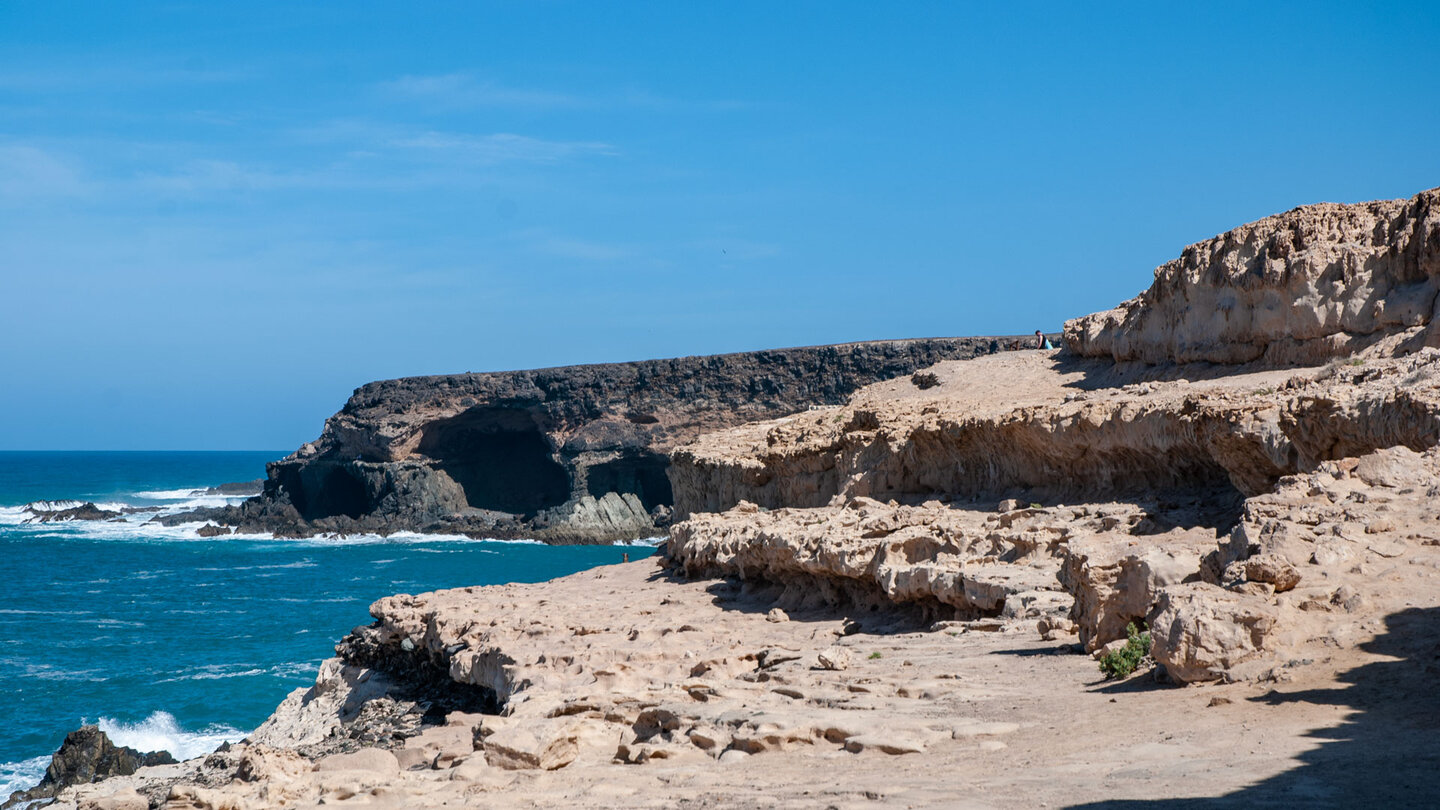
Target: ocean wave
[[220, 672], [22, 775], [170, 494], [138, 528], [161, 732]]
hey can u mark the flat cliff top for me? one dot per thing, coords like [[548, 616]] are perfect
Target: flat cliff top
[[643, 403], [1033, 385]]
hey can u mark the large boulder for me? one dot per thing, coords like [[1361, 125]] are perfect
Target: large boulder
[[1200, 632], [1116, 579]]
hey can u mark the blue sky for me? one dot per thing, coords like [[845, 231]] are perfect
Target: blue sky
[[216, 220]]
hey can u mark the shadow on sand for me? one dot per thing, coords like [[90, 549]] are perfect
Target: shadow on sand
[[1386, 753]]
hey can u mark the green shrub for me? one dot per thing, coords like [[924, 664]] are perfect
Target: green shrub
[[1122, 662], [1037, 506], [874, 655]]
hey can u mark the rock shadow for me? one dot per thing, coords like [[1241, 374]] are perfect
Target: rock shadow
[[1101, 373], [864, 610], [1385, 753]]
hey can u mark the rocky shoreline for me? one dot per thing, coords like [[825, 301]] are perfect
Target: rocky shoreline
[[899, 597]]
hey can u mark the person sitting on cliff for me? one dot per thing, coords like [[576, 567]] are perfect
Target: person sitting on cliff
[[1042, 342]]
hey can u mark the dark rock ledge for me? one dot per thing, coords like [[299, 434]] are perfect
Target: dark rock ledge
[[577, 454]]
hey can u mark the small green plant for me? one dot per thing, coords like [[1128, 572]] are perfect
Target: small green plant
[[1264, 391], [1355, 361], [874, 655], [1036, 506], [1122, 662]]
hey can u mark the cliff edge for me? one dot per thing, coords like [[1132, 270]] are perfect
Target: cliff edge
[[1316, 282], [577, 454]]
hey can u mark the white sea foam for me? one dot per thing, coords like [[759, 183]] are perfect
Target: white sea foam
[[138, 528], [51, 506], [170, 494], [160, 732], [22, 775]]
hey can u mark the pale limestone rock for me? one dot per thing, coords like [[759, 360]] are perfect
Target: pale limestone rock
[[260, 763], [834, 658], [885, 743], [1272, 569], [1315, 282], [538, 745], [1394, 467], [191, 797], [1116, 579], [1198, 631], [309, 716], [125, 799], [370, 760]]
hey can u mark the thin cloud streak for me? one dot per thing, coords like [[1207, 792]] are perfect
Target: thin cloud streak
[[29, 173], [501, 147], [115, 76], [464, 89]]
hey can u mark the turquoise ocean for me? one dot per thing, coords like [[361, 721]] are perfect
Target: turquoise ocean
[[171, 641]]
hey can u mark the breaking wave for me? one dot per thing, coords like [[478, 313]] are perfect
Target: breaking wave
[[22, 775], [160, 732]]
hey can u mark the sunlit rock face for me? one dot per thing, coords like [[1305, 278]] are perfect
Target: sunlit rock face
[[1315, 282]]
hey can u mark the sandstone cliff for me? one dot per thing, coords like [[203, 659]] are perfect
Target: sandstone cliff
[[574, 454], [1316, 282]]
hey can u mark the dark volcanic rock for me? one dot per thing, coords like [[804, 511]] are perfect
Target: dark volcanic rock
[[87, 755], [566, 455], [238, 488], [44, 512]]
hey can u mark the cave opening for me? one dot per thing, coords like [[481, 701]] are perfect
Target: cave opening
[[341, 493], [500, 458], [642, 474]]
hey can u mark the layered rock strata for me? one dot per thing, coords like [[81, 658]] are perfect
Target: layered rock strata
[[1316, 282], [574, 454], [1185, 468]]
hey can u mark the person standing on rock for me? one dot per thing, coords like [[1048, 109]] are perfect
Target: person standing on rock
[[1042, 342]]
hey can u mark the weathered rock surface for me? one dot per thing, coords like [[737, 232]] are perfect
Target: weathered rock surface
[[950, 560], [1050, 427], [1300, 287], [565, 455]]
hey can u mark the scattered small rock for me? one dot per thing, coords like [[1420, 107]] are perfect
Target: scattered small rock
[[834, 658]]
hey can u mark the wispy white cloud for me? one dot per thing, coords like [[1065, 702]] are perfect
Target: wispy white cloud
[[500, 147], [112, 76], [465, 89], [220, 175], [31, 173], [378, 157], [581, 249]]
